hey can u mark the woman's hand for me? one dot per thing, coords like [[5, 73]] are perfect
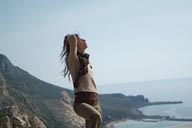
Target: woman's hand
[[72, 38]]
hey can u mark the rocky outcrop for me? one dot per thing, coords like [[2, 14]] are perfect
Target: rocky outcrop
[[66, 98], [11, 117], [63, 110], [5, 64], [3, 88]]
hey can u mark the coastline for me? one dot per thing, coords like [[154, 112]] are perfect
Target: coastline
[[183, 126], [155, 118], [111, 124], [143, 117]]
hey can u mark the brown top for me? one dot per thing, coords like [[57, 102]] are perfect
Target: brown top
[[87, 83]]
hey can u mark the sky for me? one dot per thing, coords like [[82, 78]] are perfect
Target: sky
[[128, 40]]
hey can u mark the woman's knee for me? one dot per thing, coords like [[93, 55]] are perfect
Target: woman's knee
[[96, 116]]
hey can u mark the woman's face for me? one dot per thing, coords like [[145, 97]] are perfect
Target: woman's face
[[81, 44]]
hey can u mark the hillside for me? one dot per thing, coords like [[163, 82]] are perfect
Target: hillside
[[50, 103], [33, 102], [118, 106]]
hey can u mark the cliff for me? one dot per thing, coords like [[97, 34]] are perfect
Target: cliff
[[50, 104]]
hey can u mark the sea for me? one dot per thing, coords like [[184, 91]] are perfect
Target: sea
[[172, 110]]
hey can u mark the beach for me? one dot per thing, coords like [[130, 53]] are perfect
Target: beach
[[141, 124], [110, 125], [183, 126]]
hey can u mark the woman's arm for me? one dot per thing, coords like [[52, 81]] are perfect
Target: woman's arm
[[73, 48]]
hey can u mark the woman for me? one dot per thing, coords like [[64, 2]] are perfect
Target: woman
[[77, 66]]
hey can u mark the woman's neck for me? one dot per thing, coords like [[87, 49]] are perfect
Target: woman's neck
[[81, 51]]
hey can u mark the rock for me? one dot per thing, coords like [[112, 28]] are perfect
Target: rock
[[3, 87], [5, 64], [65, 97], [37, 123], [11, 117], [5, 122]]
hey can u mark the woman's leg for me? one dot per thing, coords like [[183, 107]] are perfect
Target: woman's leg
[[90, 113]]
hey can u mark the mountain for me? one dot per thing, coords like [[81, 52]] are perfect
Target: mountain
[[36, 98], [28, 102]]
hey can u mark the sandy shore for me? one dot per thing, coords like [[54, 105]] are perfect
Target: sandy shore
[[110, 125], [183, 126]]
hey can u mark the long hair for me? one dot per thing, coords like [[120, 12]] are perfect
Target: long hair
[[64, 55]]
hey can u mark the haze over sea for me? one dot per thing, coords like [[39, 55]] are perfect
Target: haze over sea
[[178, 89], [160, 90]]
